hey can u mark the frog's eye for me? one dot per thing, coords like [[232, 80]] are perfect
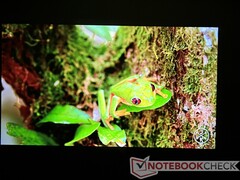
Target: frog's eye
[[153, 87], [136, 101]]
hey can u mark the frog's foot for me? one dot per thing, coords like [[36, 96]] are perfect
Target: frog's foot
[[122, 112], [107, 121], [161, 93]]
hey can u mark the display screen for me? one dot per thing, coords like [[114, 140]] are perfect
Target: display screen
[[109, 86]]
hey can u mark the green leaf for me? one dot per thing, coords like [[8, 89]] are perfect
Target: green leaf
[[27, 136], [101, 31], [160, 101], [83, 131], [66, 114], [107, 135]]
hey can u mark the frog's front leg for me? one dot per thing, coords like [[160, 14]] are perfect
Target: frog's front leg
[[113, 103], [109, 112]]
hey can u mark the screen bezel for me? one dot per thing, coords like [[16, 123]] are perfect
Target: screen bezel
[[178, 14]]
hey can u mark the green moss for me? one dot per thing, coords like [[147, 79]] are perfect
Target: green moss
[[176, 56]]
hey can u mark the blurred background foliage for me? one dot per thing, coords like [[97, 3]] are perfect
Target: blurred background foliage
[[69, 67]]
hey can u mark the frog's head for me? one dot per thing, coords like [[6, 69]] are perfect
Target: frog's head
[[144, 98]]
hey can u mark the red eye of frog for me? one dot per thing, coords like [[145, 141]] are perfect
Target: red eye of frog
[[136, 101]]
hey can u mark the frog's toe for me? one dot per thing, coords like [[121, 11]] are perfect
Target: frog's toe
[[122, 112]]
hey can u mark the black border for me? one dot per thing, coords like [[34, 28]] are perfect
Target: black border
[[114, 162]]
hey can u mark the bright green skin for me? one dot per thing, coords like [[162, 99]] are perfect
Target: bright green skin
[[141, 89], [124, 91]]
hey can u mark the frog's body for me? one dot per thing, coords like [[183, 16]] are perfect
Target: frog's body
[[135, 87], [135, 90]]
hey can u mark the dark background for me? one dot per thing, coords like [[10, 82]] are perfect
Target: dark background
[[113, 163]]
